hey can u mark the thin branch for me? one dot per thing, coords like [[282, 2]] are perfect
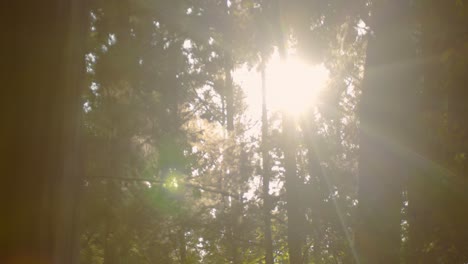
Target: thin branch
[[210, 189]]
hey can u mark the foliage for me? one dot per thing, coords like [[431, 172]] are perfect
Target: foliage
[[167, 180]]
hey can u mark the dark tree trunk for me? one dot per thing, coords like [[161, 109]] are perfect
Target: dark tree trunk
[[266, 174], [316, 176], [40, 130], [236, 212], [110, 252], [228, 67], [384, 109], [292, 183], [182, 245], [419, 219], [229, 93]]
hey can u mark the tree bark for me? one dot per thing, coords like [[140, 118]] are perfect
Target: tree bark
[[384, 130], [229, 92], [228, 66], [182, 244], [39, 145], [294, 212], [316, 175], [266, 173]]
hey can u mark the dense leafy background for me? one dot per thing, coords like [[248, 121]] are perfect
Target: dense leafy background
[[173, 170]]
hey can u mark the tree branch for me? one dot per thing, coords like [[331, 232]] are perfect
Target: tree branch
[[210, 189]]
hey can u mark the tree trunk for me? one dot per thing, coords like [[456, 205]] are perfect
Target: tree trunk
[[294, 212], [228, 66], [182, 245], [229, 92], [236, 211], [266, 174], [316, 176], [384, 107], [40, 132], [110, 251]]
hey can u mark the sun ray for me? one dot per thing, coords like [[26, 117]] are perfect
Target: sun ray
[[292, 85]]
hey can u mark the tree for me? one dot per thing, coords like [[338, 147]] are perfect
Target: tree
[[386, 104], [435, 201], [40, 140], [266, 171]]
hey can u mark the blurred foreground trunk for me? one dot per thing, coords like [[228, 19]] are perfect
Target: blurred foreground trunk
[[43, 61]]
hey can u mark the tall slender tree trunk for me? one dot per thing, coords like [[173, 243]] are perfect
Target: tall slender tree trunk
[[42, 53], [292, 183], [418, 225], [110, 252], [266, 172], [384, 128], [316, 176], [236, 211], [182, 244], [235, 205], [420, 184], [228, 66], [295, 215], [229, 92]]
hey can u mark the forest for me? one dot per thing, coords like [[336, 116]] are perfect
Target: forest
[[234, 131]]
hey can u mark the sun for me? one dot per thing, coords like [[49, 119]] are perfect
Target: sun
[[293, 85]]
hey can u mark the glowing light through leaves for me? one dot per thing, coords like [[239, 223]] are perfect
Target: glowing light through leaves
[[293, 86], [172, 181]]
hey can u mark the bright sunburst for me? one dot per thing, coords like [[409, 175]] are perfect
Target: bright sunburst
[[293, 85]]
